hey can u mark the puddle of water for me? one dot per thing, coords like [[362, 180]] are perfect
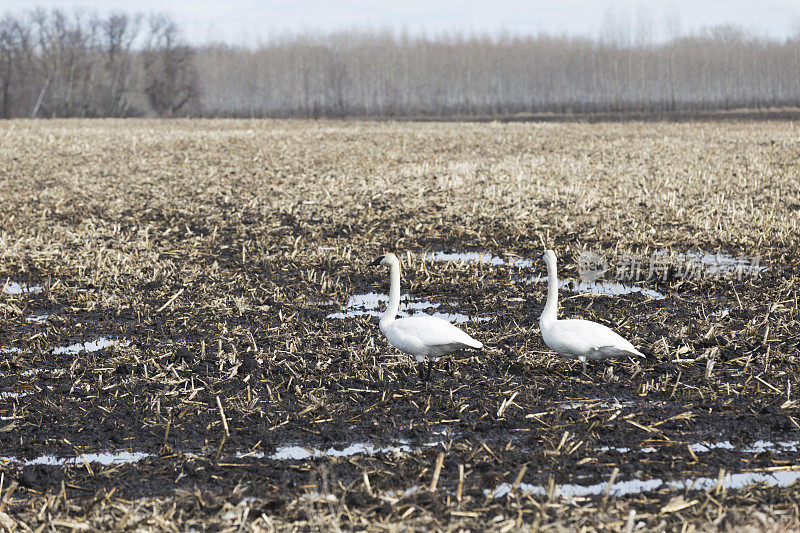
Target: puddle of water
[[38, 318], [610, 288], [91, 346], [103, 458], [465, 257], [635, 486], [25, 373], [591, 404], [477, 257], [703, 447], [782, 478], [10, 395], [300, 453], [719, 263], [648, 449], [370, 304], [759, 446], [716, 263], [571, 491], [12, 287]]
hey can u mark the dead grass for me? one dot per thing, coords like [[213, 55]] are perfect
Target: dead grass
[[219, 247]]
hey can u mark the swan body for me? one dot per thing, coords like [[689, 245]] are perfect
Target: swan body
[[424, 337], [574, 338]]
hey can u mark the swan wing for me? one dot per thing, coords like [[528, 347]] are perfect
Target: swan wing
[[604, 352], [433, 331], [592, 340]]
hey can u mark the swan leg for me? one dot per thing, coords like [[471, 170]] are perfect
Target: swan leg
[[430, 367], [582, 359], [421, 370]]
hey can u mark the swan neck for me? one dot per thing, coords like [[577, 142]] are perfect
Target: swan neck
[[551, 306], [394, 294]]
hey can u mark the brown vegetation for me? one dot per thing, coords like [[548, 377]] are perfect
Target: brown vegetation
[[218, 248]]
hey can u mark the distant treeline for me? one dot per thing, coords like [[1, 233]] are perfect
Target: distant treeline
[[55, 64]]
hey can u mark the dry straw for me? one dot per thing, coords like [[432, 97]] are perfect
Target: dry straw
[[218, 248]]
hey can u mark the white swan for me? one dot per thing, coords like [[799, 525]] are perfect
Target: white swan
[[424, 337], [574, 338]]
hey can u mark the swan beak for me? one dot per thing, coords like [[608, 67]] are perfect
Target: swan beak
[[540, 256], [376, 262]]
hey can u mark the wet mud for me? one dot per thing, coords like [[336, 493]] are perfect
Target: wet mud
[[221, 355]]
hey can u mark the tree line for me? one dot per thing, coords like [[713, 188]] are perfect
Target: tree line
[[55, 64]]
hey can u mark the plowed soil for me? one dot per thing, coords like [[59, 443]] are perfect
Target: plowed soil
[[212, 253]]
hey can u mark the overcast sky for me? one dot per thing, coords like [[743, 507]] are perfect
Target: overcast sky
[[250, 21]]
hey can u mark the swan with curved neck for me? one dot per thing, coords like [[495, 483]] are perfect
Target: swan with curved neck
[[575, 338], [425, 337]]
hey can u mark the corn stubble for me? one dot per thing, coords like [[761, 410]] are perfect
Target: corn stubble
[[218, 248]]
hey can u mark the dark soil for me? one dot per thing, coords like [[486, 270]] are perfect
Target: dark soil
[[221, 277]]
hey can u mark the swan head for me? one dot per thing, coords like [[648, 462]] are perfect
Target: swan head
[[549, 257], [385, 260]]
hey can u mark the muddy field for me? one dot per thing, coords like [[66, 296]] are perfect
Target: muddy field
[[189, 335]]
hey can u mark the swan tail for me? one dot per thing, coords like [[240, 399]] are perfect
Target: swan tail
[[475, 344]]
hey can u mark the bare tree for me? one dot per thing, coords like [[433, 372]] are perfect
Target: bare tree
[[119, 32], [15, 58], [58, 64], [171, 77]]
